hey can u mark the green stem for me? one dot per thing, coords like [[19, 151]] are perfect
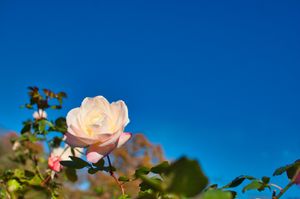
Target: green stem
[[284, 190]]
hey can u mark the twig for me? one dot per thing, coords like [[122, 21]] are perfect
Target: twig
[[284, 190], [113, 175], [276, 186], [47, 179]]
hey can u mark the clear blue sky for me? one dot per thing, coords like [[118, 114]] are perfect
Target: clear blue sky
[[217, 80]]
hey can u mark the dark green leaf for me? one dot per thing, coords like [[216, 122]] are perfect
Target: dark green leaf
[[142, 171], [69, 164], [92, 170], [56, 141], [265, 179], [185, 177], [80, 163], [150, 183], [99, 164], [280, 170], [238, 180], [290, 169], [26, 127], [71, 174], [160, 168], [213, 186]]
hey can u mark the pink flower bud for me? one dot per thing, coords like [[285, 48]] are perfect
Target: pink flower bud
[[54, 163]]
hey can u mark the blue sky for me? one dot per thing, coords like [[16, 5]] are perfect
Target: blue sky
[[216, 80]]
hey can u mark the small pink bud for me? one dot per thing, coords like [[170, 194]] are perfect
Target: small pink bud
[[54, 163]]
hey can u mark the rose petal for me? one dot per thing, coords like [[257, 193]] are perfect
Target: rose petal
[[96, 152], [94, 157], [112, 139], [75, 141], [89, 103], [72, 117], [119, 110], [123, 139]]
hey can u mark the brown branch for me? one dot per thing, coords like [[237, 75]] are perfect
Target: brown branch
[[113, 175]]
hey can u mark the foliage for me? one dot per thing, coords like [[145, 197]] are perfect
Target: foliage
[[137, 170]]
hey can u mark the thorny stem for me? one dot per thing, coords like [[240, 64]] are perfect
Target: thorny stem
[[113, 175], [46, 180], [284, 190]]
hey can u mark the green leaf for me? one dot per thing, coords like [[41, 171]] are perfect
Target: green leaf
[[13, 185], [35, 181], [293, 169], [29, 106], [238, 180], [142, 171], [75, 163], [26, 127], [150, 183], [124, 197], [185, 177], [213, 186], [147, 194], [29, 174], [265, 179], [217, 194], [99, 164], [56, 141], [60, 125], [255, 184], [69, 164], [80, 163], [56, 107], [23, 175], [42, 126], [290, 169], [92, 170], [280, 170], [71, 174], [160, 168], [123, 179]]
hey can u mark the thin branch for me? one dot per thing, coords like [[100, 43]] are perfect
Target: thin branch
[[113, 175], [284, 190], [276, 186]]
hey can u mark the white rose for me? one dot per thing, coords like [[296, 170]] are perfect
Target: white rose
[[99, 126]]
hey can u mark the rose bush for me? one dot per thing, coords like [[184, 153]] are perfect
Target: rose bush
[[95, 129], [97, 125]]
